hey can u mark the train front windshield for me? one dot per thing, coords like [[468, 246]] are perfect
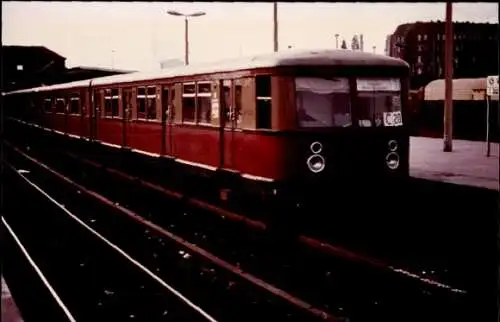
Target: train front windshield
[[329, 103]]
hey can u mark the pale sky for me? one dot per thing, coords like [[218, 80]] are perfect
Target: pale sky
[[141, 33]]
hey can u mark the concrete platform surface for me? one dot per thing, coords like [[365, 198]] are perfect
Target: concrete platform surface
[[467, 164], [10, 312]]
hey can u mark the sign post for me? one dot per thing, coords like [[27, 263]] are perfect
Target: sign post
[[491, 89]]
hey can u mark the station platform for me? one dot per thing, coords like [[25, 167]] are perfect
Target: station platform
[[10, 312], [466, 165]]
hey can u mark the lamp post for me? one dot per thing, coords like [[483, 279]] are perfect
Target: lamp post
[[275, 25], [186, 29]]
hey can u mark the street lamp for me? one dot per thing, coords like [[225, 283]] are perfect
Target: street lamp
[[275, 25], [186, 29]]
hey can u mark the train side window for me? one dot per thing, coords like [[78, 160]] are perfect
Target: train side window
[[115, 102], [188, 102], [74, 104], [151, 103], [204, 102], [127, 107], [141, 102], [238, 97], [165, 103], [263, 104], [111, 97], [47, 105], [227, 100], [107, 103], [171, 113], [60, 105]]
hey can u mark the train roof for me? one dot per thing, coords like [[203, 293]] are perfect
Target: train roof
[[322, 57]]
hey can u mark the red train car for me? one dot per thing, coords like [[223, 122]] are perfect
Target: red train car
[[286, 123]]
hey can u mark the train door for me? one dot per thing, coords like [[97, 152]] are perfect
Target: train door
[[96, 113], [166, 131], [228, 123], [126, 113]]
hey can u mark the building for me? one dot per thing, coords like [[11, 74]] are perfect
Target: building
[[32, 66], [469, 110], [29, 66], [388, 46], [421, 44]]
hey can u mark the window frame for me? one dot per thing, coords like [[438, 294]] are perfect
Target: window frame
[[263, 98], [60, 98], [351, 91], [74, 97], [114, 100], [205, 95]]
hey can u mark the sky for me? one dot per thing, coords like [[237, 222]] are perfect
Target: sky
[[138, 35]]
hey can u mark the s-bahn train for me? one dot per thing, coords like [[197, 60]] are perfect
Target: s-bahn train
[[282, 124]]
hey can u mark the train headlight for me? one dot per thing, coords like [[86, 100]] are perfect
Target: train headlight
[[392, 160], [316, 163], [393, 145], [316, 147]]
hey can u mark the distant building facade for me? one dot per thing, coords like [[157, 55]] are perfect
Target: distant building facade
[[33, 66], [421, 45], [28, 66]]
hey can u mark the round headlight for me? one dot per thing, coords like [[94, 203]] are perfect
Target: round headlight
[[392, 160], [393, 145], [316, 163], [316, 147]]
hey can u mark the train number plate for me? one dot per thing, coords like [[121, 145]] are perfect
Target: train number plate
[[393, 119]]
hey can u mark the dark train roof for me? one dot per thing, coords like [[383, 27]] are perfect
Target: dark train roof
[[322, 57]]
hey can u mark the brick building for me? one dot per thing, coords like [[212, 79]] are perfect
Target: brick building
[[421, 44]]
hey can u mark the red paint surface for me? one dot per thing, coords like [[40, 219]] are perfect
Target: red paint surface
[[59, 122], [200, 144], [253, 153], [74, 125], [259, 154], [85, 126], [110, 131], [142, 135]]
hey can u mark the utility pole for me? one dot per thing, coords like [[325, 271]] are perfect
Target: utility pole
[[337, 41], [275, 24], [186, 41], [448, 75], [186, 29]]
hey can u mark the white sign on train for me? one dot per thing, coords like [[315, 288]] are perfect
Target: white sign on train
[[492, 85], [393, 118], [374, 84]]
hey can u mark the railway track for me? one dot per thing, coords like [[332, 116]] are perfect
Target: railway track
[[333, 284], [426, 273], [87, 275], [229, 293]]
